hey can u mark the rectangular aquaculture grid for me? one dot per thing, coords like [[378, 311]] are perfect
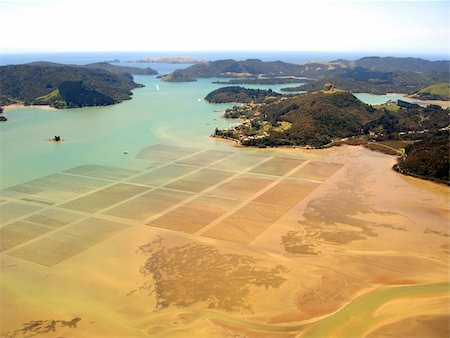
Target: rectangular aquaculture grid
[[195, 214], [148, 205], [278, 166], [104, 198], [200, 180], [162, 175]]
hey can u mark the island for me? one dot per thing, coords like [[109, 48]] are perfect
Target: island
[[331, 117], [169, 59], [240, 94], [67, 86]]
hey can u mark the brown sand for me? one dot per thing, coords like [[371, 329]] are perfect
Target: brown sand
[[362, 253]]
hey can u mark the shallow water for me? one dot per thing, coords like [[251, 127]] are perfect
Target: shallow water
[[161, 112]]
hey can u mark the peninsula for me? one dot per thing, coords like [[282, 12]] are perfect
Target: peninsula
[[332, 117], [67, 86]]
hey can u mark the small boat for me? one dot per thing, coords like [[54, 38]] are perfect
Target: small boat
[[157, 87], [125, 152]]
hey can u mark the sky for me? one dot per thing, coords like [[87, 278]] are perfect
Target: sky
[[225, 25]]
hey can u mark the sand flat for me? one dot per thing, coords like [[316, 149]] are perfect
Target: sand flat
[[362, 242]]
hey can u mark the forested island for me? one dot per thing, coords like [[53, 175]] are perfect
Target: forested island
[[332, 117], [67, 86], [240, 94]]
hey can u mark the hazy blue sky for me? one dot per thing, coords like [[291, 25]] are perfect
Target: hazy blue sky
[[176, 25]]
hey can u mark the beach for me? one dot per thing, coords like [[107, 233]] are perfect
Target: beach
[[424, 103], [20, 106]]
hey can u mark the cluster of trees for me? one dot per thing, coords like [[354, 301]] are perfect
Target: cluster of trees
[[239, 94], [428, 158], [320, 117]]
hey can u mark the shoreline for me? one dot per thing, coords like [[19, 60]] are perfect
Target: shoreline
[[20, 106], [236, 144], [442, 103]]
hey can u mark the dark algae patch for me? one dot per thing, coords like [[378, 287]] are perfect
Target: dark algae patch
[[40, 327], [187, 274]]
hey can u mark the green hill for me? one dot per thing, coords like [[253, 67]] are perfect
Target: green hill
[[232, 68], [58, 85], [428, 158], [377, 75], [316, 119], [440, 91], [239, 94]]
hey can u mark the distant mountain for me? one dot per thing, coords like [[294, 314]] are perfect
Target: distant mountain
[[408, 64], [66, 86], [232, 68], [239, 94], [122, 69], [263, 80], [378, 75], [400, 82]]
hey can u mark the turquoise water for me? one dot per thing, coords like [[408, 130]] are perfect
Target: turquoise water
[[174, 114]]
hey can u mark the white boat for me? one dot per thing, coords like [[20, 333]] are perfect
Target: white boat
[[157, 87]]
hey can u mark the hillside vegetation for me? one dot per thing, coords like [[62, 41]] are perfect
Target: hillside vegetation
[[440, 91], [317, 119], [428, 158], [67, 86], [239, 94], [377, 75]]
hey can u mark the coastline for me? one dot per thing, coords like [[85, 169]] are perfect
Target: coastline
[[20, 106], [442, 103]]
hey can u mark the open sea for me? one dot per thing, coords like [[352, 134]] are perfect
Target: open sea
[[161, 112]]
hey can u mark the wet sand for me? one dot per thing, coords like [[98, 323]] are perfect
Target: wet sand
[[19, 106], [362, 253], [442, 103]]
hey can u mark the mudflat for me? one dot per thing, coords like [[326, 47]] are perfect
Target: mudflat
[[322, 243]]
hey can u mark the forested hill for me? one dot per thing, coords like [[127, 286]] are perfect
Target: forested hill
[[239, 94], [428, 158], [66, 86], [378, 75], [231, 68], [317, 119]]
